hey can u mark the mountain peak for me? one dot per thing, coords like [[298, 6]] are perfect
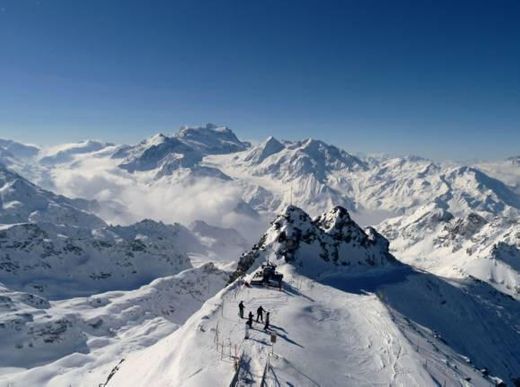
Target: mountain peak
[[211, 139], [263, 150], [331, 242], [293, 213], [157, 138], [18, 149], [334, 219]]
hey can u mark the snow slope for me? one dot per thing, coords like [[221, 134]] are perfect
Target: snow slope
[[48, 241], [328, 336], [19, 150], [22, 201], [317, 176], [478, 244], [458, 222], [66, 152], [79, 341], [338, 327], [507, 171]]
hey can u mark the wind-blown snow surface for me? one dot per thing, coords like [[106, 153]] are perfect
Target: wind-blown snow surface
[[364, 325]]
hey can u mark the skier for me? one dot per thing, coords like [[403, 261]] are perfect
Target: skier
[[250, 320], [241, 309], [247, 330], [266, 326], [260, 314]]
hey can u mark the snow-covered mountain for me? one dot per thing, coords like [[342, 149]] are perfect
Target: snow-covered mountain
[[211, 139], [183, 150], [79, 341], [441, 219], [65, 153], [331, 242], [154, 152], [338, 327], [48, 241], [317, 176], [53, 247], [225, 243], [22, 201], [19, 150], [303, 167], [477, 244], [295, 159]]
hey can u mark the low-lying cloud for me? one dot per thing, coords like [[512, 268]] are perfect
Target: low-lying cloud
[[127, 198]]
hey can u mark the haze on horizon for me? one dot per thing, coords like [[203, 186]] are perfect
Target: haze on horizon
[[438, 79]]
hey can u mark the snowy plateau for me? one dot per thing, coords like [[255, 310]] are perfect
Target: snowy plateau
[[123, 265]]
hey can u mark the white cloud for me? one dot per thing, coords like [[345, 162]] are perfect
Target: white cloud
[[126, 198]]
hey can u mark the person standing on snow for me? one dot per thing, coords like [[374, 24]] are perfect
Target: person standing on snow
[[250, 320], [247, 330], [260, 314], [241, 309], [266, 326]]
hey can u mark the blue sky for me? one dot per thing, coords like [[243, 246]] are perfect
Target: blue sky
[[435, 78]]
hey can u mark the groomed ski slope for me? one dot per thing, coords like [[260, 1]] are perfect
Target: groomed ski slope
[[325, 337]]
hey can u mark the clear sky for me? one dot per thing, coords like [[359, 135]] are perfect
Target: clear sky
[[435, 78]]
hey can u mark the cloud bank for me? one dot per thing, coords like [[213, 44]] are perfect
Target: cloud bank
[[126, 198]]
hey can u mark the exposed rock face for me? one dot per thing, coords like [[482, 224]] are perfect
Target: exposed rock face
[[466, 227], [331, 241]]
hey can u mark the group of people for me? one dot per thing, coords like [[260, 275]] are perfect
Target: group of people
[[259, 316]]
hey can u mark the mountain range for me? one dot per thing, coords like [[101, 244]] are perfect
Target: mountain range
[[90, 230]]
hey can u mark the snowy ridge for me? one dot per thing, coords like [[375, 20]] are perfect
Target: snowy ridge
[[183, 150], [66, 153], [41, 258], [19, 150], [22, 201], [331, 242], [478, 244], [48, 240], [343, 327], [364, 329], [78, 341]]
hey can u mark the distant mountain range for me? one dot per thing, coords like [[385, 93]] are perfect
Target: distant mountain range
[[304, 205]]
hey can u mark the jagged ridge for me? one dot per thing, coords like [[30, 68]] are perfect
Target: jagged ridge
[[332, 240]]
